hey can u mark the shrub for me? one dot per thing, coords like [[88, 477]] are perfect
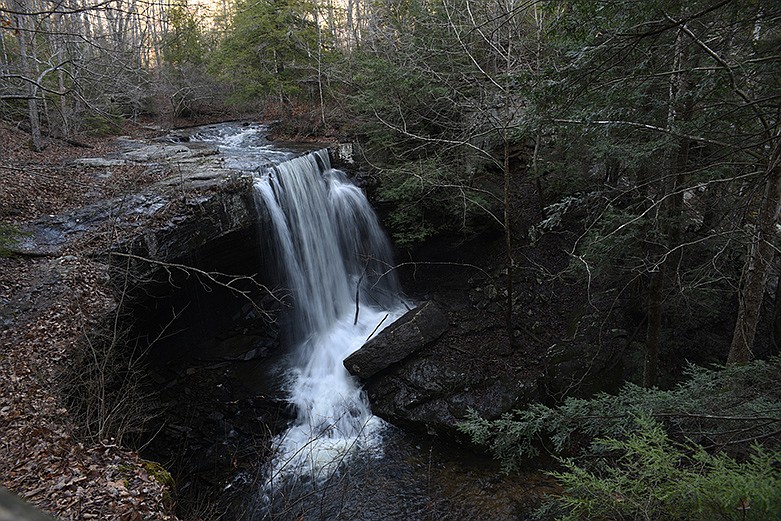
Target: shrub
[[646, 475], [715, 407]]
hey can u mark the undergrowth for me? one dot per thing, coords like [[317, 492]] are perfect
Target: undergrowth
[[9, 236], [714, 407], [706, 449], [646, 475]]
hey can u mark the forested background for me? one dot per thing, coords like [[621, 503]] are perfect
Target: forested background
[[656, 122], [654, 126]]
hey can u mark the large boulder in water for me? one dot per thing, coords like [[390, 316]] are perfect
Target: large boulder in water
[[425, 395], [424, 374], [411, 332]]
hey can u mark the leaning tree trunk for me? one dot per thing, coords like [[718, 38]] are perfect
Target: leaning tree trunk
[[755, 272]]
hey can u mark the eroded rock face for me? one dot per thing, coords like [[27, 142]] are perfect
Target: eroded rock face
[[204, 219]]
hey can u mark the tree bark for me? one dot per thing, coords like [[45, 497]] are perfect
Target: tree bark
[[755, 271], [654, 331], [674, 162], [508, 237], [776, 347], [24, 30]]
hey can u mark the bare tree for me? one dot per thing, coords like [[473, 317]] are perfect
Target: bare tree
[[78, 63]]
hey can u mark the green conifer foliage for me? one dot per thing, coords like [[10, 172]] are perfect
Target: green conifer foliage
[[648, 476], [707, 449], [270, 48], [715, 407]]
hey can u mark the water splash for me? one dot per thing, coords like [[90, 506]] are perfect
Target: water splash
[[336, 260]]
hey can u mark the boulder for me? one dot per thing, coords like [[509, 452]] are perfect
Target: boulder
[[13, 508], [428, 396], [411, 332], [426, 371]]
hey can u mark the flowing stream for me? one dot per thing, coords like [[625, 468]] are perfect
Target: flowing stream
[[335, 461]]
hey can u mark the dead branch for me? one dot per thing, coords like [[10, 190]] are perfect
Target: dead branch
[[378, 326], [224, 280], [357, 297], [416, 264]]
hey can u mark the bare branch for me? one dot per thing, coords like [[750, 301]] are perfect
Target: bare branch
[[220, 279]]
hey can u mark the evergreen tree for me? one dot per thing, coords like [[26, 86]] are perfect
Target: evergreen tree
[[677, 107], [270, 49]]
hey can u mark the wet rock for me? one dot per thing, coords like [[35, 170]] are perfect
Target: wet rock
[[435, 380], [50, 234], [411, 332], [166, 152], [427, 396], [100, 162]]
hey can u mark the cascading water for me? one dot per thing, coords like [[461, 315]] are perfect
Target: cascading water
[[337, 263], [329, 249]]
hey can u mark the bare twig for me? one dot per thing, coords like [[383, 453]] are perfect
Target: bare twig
[[221, 279], [378, 326]]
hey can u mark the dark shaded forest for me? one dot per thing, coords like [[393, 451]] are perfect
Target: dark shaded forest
[[647, 134]]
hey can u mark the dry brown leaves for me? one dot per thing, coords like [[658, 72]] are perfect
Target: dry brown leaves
[[46, 305], [43, 183]]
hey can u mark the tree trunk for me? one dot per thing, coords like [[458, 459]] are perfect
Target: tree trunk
[[25, 31], [674, 161], [653, 333], [508, 242], [536, 173], [776, 346], [755, 271]]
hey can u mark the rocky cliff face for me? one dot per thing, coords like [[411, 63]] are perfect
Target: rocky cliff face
[[427, 372], [169, 253]]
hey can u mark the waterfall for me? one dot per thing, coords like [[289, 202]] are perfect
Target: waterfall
[[332, 252]]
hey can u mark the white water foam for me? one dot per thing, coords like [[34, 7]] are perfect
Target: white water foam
[[242, 146], [332, 250]]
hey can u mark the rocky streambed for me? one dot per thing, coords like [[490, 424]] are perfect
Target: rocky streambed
[[178, 256]]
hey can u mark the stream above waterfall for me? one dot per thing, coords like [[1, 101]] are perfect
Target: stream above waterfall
[[293, 433]]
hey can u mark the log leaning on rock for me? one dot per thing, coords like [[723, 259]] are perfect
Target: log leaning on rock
[[411, 332]]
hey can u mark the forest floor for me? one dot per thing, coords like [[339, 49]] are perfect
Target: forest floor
[[47, 303]]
